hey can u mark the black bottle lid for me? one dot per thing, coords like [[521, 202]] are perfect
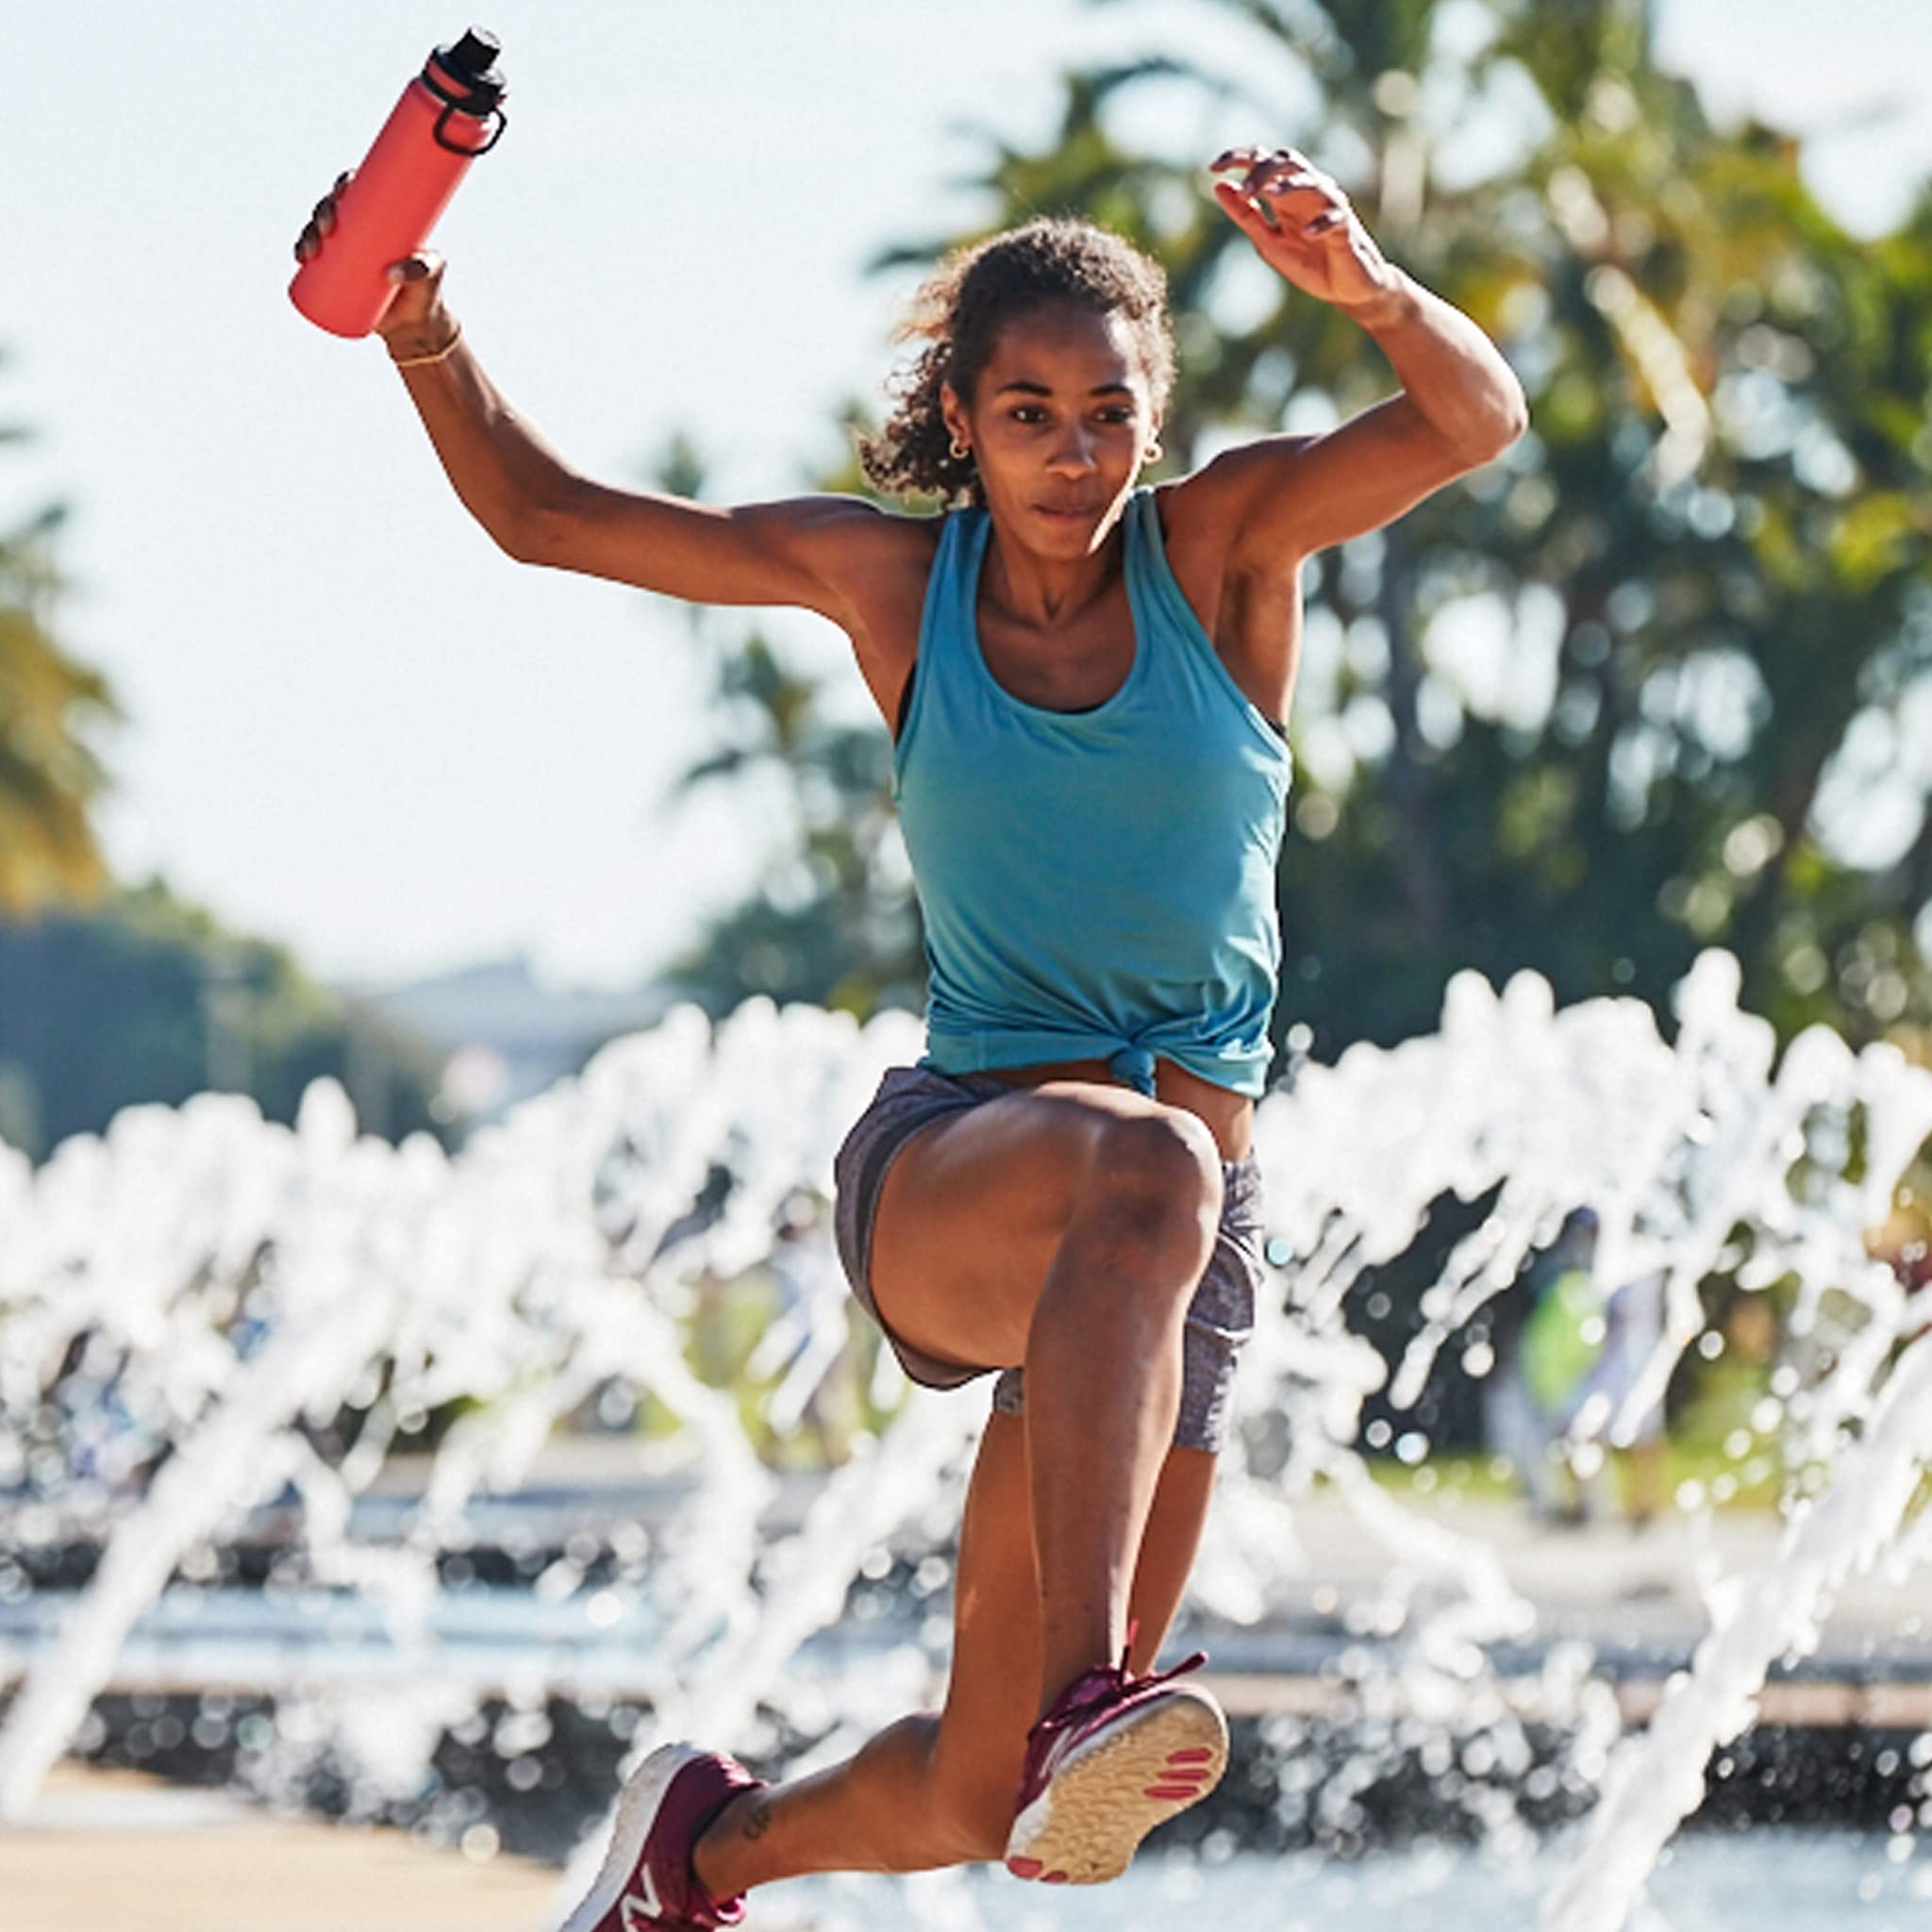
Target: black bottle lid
[[471, 64]]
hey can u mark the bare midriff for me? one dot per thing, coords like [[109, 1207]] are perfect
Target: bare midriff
[[1228, 1116]]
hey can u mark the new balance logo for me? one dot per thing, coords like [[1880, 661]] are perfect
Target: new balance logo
[[642, 1910]]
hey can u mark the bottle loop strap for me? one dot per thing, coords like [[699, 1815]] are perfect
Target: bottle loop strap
[[457, 147]]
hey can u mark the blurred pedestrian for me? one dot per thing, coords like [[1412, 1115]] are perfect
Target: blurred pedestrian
[[1633, 1323], [1547, 1337]]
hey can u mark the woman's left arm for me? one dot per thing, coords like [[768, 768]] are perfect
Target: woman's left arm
[[1283, 497]]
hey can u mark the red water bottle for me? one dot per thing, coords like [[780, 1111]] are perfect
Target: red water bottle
[[448, 115]]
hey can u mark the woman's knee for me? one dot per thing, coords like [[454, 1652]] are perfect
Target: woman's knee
[[1158, 1173]]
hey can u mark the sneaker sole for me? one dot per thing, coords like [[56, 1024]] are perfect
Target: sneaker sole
[[637, 1811], [1087, 1825]]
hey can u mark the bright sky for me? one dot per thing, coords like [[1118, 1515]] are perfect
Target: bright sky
[[355, 726]]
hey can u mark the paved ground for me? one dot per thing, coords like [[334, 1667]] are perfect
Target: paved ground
[[103, 1851]]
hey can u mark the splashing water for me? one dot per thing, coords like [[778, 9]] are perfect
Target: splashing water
[[197, 1292]]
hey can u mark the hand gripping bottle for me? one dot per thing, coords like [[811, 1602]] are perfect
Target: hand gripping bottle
[[448, 115]]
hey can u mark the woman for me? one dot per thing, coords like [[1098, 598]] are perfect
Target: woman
[[1087, 683]]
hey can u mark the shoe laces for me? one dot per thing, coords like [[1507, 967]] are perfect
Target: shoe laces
[[1104, 1683]]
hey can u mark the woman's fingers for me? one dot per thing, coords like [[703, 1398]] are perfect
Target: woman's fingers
[[1280, 193], [1264, 217], [1234, 201], [1254, 156], [418, 281], [426, 267], [322, 219], [1268, 170], [1247, 213], [1271, 183], [1330, 209], [1272, 179]]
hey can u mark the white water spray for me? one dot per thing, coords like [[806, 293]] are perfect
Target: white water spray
[[201, 1291]]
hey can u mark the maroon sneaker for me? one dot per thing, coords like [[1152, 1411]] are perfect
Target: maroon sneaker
[[1112, 1758], [648, 1883]]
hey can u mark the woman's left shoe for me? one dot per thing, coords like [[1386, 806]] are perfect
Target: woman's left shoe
[[1112, 1758], [648, 1883]]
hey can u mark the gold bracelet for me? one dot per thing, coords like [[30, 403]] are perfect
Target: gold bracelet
[[441, 354]]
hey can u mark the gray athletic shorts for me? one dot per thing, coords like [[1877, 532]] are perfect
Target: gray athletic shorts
[[1220, 1317]]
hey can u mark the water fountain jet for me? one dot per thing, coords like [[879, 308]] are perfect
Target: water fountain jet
[[208, 1289]]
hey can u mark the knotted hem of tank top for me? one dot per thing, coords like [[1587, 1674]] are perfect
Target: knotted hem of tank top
[[1131, 1063]]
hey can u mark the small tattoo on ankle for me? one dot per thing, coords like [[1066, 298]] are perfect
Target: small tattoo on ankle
[[758, 1819]]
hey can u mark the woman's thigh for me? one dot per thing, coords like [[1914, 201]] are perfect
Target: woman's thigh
[[972, 1213], [994, 1691]]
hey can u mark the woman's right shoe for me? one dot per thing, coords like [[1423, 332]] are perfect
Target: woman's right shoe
[[1114, 1757], [648, 1882]]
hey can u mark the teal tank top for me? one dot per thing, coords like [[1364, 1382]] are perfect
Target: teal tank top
[[1096, 884]]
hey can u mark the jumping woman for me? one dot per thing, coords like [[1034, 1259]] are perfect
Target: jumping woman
[[1087, 681]]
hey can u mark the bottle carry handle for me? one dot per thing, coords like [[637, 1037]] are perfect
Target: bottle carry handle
[[454, 147]]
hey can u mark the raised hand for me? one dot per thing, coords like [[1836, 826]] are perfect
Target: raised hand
[[1302, 226], [415, 324]]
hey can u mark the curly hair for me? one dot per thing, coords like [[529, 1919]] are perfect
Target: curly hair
[[958, 313]]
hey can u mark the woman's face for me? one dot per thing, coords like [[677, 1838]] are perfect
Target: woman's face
[[1061, 422]]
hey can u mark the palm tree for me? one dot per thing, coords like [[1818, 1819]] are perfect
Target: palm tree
[[50, 775], [832, 920]]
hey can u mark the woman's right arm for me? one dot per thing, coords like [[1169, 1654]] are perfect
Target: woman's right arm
[[539, 510]]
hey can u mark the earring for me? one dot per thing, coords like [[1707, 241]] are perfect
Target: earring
[[1154, 451], [961, 451]]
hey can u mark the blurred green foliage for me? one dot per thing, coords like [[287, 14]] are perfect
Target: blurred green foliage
[[51, 710], [1656, 680], [148, 998], [833, 921], [112, 995]]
